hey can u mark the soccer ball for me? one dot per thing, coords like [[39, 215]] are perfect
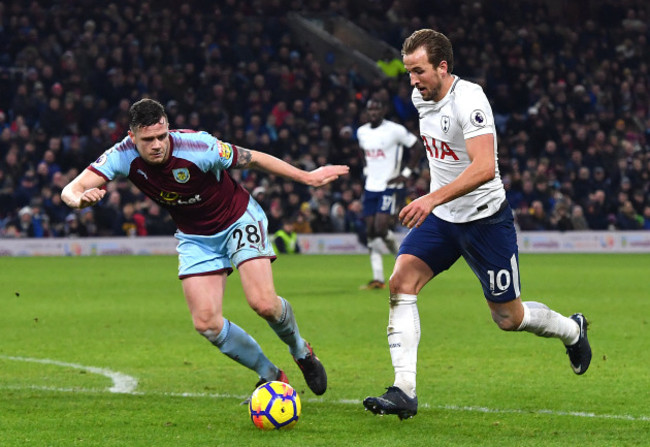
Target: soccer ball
[[274, 406]]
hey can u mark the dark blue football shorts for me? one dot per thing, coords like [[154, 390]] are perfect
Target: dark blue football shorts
[[489, 246], [380, 202]]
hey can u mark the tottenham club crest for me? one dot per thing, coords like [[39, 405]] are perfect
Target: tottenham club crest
[[478, 118], [181, 175], [445, 123]]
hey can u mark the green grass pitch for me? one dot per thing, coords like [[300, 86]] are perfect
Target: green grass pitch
[[72, 328]]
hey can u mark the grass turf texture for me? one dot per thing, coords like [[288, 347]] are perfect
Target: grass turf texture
[[477, 386]]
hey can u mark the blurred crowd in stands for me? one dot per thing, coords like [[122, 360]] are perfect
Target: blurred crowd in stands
[[570, 90]]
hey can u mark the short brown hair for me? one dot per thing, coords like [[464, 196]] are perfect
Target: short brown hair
[[437, 46], [145, 112]]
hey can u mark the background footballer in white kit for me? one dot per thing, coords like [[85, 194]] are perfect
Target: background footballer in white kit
[[383, 142]]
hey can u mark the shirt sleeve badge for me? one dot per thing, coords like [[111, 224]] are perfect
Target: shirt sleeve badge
[[478, 118], [225, 150]]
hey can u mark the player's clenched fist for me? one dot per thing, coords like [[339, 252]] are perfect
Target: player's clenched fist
[[91, 197]]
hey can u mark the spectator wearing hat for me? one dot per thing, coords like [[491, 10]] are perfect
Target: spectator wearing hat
[[259, 194], [72, 228], [25, 222]]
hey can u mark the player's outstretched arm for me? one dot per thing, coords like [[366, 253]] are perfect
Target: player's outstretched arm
[[84, 190], [259, 160]]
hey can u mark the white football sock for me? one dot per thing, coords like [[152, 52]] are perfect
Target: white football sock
[[542, 321], [376, 260], [403, 339]]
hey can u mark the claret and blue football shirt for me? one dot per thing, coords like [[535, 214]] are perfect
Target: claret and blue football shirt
[[193, 184]]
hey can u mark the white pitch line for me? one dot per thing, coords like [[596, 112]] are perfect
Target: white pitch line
[[122, 383], [460, 408], [125, 384], [581, 414]]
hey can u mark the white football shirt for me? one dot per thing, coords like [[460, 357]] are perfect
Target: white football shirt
[[462, 114], [383, 148]]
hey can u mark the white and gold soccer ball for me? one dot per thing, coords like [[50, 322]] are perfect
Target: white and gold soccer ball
[[274, 406]]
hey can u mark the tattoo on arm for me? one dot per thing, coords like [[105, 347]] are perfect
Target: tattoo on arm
[[244, 157]]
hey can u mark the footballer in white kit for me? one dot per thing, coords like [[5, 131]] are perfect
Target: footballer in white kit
[[465, 214], [383, 142], [383, 148]]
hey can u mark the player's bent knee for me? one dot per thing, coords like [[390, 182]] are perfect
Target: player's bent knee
[[397, 284], [505, 323], [206, 327], [404, 283], [507, 315], [410, 275], [267, 308], [207, 322]]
